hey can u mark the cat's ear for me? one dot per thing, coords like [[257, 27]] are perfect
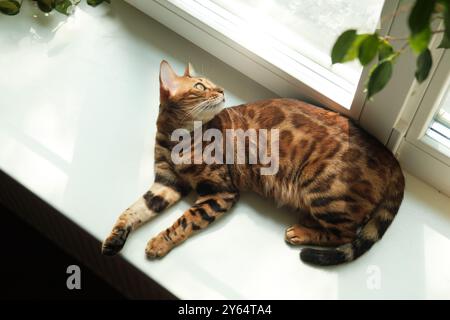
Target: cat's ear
[[189, 71], [167, 80]]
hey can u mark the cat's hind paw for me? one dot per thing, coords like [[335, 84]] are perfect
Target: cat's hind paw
[[295, 236]]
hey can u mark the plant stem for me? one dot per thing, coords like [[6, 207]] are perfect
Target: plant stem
[[390, 38], [404, 47]]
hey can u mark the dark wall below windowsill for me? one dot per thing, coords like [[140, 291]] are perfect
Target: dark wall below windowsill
[[32, 267]]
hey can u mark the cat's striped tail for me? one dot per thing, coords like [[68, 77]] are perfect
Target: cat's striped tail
[[370, 233]]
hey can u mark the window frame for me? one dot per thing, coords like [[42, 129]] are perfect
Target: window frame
[[184, 22], [417, 152], [378, 116], [427, 108]]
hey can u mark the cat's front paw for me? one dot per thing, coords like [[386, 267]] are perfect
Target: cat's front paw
[[157, 247], [115, 241]]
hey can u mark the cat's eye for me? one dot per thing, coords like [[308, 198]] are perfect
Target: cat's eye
[[200, 86]]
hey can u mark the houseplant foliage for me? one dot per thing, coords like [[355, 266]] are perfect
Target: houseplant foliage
[[372, 47], [12, 7]]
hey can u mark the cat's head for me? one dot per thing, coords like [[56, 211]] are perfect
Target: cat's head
[[188, 98]]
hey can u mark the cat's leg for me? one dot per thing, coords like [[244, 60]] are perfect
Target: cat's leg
[[301, 235], [206, 210], [164, 192], [324, 224]]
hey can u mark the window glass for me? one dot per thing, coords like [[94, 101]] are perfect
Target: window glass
[[310, 27]]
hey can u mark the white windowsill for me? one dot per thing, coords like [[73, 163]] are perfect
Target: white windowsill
[[80, 135]]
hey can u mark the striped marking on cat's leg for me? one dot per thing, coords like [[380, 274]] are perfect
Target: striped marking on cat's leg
[[338, 222], [206, 210], [159, 197]]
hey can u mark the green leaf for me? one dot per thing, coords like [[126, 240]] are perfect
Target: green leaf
[[420, 15], [443, 9], [353, 52], [419, 41], [46, 5], [379, 78], [385, 50], [424, 63], [342, 46], [445, 43], [446, 40], [63, 6], [368, 49], [10, 7], [351, 48], [95, 3]]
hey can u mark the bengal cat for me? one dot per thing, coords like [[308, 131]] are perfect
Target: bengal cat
[[345, 185]]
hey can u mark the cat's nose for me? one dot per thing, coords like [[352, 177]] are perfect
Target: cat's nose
[[220, 90]]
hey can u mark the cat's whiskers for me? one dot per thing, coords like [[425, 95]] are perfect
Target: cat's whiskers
[[198, 108], [194, 111], [202, 107]]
